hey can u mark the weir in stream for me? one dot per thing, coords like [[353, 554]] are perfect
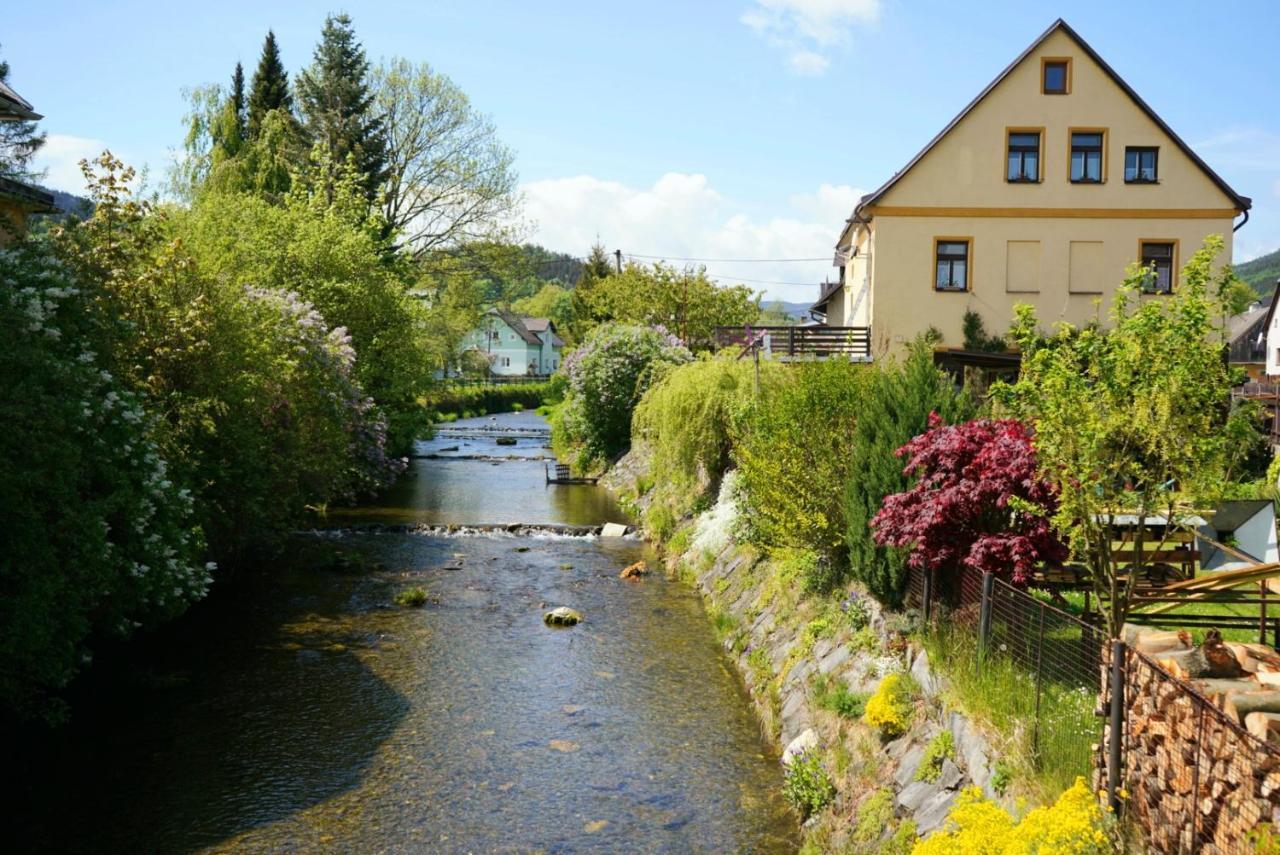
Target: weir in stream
[[302, 711]]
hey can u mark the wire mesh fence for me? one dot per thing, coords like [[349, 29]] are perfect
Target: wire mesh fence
[[1190, 776], [1035, 666]]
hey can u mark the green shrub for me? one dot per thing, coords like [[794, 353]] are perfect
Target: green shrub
[[412, 597], [807, 786], [896, 408], [793, 461], [96, 539], [606, 378], [686, 421], [875, 814], [941, 747], [448, 401], [834, 696]]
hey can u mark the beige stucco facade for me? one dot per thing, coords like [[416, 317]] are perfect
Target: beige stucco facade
[[1061, 246]]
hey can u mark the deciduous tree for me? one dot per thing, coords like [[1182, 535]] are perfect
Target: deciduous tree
[[450, 180], [978, 502], [1131, 420]]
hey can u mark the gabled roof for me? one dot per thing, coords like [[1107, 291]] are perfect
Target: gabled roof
[[517, 325], [539, 325], [13, 107], [1242, 203]]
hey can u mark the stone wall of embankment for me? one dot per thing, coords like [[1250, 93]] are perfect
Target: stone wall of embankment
[[793, 651]]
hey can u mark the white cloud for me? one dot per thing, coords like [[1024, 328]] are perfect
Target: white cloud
[[60, 157], [807, 63], [682, 216], [807, 30]]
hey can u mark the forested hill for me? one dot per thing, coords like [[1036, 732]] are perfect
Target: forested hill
[[1262, 272]]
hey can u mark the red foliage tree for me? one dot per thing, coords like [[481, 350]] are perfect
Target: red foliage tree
[[975, 502]]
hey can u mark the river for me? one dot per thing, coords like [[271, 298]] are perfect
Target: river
[[308, 713]]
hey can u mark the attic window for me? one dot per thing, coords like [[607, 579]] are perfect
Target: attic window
[[1140, 165], [1055, 76]]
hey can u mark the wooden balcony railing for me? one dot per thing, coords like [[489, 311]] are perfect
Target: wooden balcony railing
[[796, 341]]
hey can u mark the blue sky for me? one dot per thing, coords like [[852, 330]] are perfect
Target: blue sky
[[740, 129]]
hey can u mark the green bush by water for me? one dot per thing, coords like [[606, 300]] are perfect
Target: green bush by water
[[449, 402], [807, 786]]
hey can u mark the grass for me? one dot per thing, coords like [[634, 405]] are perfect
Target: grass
[[836, 697], [1046, 757]]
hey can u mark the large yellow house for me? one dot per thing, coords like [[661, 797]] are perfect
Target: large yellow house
[[1042, 191]]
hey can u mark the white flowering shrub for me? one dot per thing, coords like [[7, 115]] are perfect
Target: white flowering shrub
[[714, 529], [607, 376], [96, 539]]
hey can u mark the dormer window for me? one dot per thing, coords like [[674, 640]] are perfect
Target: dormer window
[[1024, 157], [1055, 76]]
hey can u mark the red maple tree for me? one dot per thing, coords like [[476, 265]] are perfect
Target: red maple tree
[[979, 502]]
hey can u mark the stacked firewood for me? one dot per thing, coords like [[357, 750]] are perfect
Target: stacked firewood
[[1196, 779]]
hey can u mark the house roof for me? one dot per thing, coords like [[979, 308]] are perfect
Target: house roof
[[828, 289], [1238, 325], [537, 325], [32, 198], [517, 325], [1242, 203], [13, 107]]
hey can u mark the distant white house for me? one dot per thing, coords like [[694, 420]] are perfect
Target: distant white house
[[515, 346]]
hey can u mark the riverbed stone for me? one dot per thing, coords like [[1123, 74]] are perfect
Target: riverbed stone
[[562, 616], [807, 740]]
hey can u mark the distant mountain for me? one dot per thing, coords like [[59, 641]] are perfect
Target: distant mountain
[[799, 311], [1261, 273]]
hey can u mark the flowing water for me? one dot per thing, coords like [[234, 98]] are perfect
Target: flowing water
[[307, 713]]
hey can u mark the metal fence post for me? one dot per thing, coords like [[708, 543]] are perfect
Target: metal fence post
[[927, 606], [1035, 733], [1115, 756], [984, 614]]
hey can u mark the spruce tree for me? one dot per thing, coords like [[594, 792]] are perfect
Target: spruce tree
[[337, 105], [897, 409], [238, 102], [270, 88], [19, 142]]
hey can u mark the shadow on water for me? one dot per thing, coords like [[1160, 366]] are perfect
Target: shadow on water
[[255, 707], [298, 710]]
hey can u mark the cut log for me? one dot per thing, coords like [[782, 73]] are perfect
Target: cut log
[[1240, 705], [1222, 662], [1184, 664], [1154, 641], [1255, 657], [1215, 687], [1264, 725]]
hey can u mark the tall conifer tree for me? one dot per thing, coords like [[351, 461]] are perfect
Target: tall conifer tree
[[270, 88], [237, 101], [19, 142], [337, 105]]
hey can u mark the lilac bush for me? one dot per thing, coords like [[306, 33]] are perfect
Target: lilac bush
[[96, 539], [607, 375]]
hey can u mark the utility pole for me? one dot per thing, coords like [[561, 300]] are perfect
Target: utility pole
[[617, 253]]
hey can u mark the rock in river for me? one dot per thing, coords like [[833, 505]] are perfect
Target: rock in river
[[506, 440], [562, 616]]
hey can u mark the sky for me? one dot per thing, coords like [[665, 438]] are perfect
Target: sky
[[714, 129]]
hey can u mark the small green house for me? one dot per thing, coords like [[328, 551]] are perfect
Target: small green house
[[514, 346]]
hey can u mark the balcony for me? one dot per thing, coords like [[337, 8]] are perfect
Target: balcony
[[796, 342]]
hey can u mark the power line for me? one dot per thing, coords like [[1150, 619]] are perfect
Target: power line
[[759, 281], [727, 260]]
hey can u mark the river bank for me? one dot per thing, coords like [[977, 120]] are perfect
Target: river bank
[[792, 650], [311, 714]]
